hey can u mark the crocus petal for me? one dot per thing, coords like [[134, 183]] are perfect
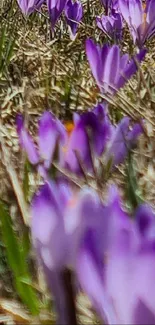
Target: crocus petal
[[29, 6], [91, 280], [119, 277], [118, 146], [124, 9], [55, 8], [131, 68], [26, 141], [93, 58], [47, 227], [55, 283], [75, 150], [136, 12], [142, 314], [50, 131], [145, 220], [73, 12]]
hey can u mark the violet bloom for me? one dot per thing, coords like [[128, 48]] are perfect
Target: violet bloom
[[112, 25], [55, 8], [140, 19], [91, 129], [130, 274], [122, 289], [123, 139], [109, 5], [91, 132], [59, 219], [50, 132], [28, 6], [73, 13], [111, 70]]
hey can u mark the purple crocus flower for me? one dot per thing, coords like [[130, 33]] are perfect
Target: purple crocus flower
[[73, 13], [109, 5], [140, 19], [122, 141], [119, 289], [62, 223], [91, 129], [55, 8], [28, 6], [129, 277], [112, 25], [50, 132], [57, 226], [73, 141], [111, 70]]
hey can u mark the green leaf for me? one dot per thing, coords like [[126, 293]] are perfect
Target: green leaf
[[17, 261]]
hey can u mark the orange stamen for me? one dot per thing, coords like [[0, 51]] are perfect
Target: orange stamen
[[69, 125]]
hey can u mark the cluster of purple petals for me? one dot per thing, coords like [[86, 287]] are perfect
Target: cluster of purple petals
[[92, 135], [72, 9], [111, 254], [110, 69], [140, 18]]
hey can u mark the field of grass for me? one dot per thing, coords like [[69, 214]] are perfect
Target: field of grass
[[43, 70]]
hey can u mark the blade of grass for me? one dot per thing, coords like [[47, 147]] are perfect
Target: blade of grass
[[17, 261]]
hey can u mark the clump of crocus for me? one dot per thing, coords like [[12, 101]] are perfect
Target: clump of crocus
[[122, 289], [73, 13], [28, 6], [111, 255], [140, 19], [74, 140], [60, 220], [110, 69], [80, 143], [55, 8], [111, 25]]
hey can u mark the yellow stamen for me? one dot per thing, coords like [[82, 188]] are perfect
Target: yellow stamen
[[69, 125]]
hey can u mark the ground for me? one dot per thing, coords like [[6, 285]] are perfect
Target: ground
[[42, 70]]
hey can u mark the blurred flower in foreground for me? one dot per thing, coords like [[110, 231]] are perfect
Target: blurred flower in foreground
[[28, 6], [110, 69], [73, 13], [61, 219], [57, 228], [111, 255], [140, 19], [126, 282], [112, 25], [55, 8]]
